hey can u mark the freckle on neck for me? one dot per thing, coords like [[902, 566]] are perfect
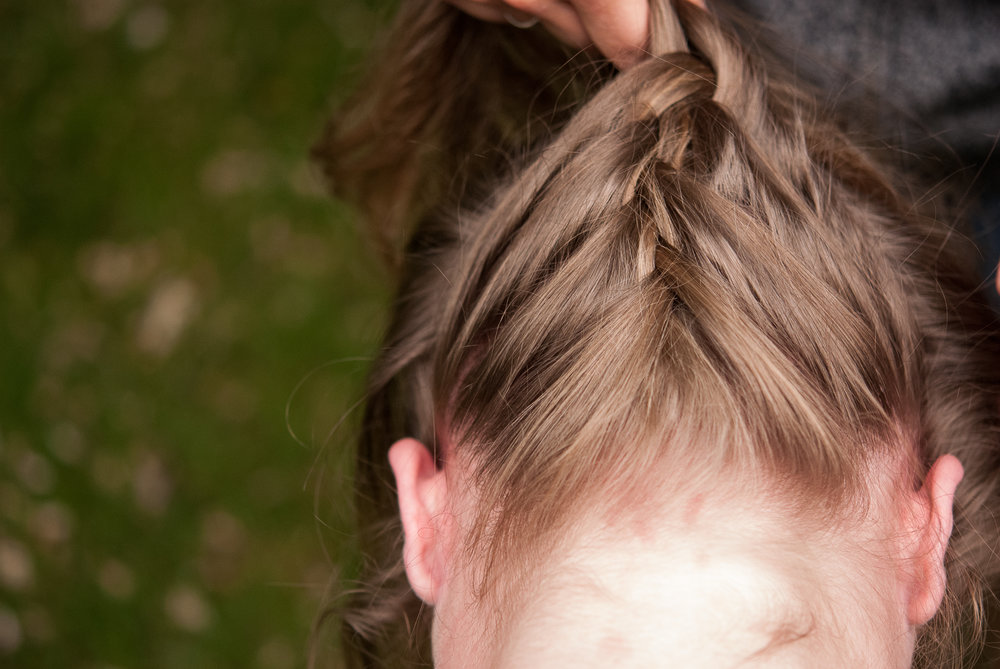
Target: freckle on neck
[[613, 647], [692, 509]]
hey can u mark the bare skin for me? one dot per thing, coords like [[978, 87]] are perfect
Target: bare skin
[[719, 577], [617, 28]]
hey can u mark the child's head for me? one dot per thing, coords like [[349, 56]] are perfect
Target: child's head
[[714, 573], [682, 392]]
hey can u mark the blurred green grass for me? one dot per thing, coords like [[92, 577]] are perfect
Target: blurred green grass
[[172, 279]]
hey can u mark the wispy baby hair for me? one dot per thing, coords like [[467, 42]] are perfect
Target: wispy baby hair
[[700, 269]]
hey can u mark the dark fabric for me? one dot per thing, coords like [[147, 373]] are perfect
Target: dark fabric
[[924, 74], [936, 62]]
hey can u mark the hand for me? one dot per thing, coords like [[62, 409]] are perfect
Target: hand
[[618, 28]]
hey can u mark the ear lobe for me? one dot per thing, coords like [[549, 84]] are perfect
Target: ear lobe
[[933, 516], [423, 501]]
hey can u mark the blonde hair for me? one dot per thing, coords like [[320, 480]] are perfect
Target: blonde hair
[[694, 263]]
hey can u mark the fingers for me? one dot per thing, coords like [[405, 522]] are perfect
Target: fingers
[[485, 10], [558, 16], [618, 28]]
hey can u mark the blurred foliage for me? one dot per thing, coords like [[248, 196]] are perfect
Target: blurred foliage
[[173, 280]]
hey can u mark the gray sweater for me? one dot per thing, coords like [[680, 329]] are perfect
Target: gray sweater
[[927, 71], [936, 62]]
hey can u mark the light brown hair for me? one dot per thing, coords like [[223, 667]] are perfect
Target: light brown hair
[[692, 262]]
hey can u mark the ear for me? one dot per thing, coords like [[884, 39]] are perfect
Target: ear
[[932, 523], [423, 501]]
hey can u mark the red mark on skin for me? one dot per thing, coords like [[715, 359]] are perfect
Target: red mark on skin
[[613, 647], [693, 508], [643, 528]]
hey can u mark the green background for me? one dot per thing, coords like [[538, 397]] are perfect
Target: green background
[[185, 317]]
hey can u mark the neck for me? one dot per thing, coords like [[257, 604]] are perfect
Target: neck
[[730, 588]]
